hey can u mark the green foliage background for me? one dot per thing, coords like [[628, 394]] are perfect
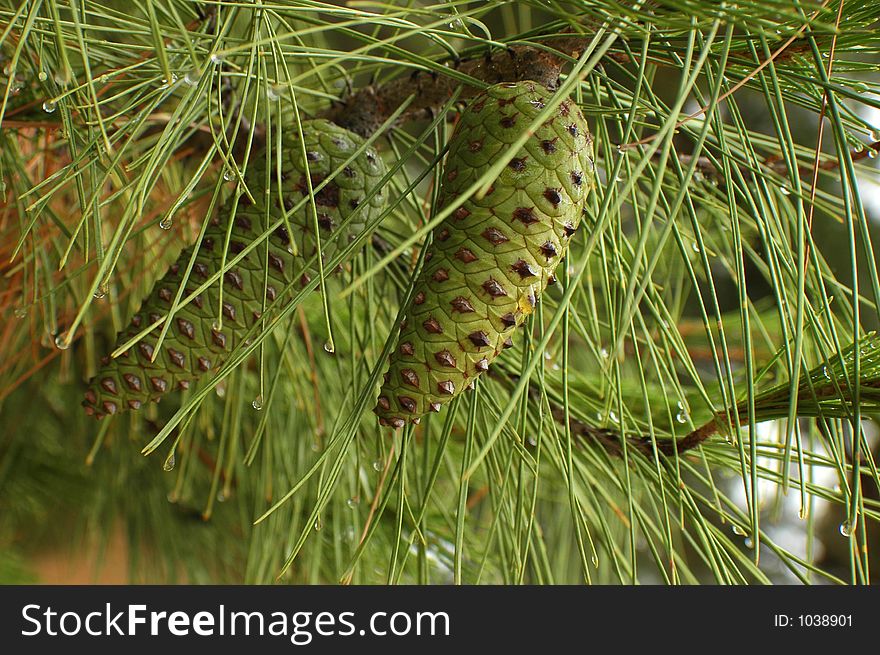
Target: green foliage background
[[714, 280]]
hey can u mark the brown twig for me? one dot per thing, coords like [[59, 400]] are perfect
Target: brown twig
[[776, 164], [365, 110], [613, 440]]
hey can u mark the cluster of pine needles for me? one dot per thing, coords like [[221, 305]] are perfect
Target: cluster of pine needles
[[693, 402]]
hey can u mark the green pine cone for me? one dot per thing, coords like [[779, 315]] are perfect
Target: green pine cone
[[192, 347], [490, 260]]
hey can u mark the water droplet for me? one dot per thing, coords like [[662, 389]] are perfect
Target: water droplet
[[875, 135], [19, 312], [802, 513], [738, 530], [825, 372], [872, 153], [378, 465], [349, 534], [274, 92], [845, 529], [681, 417], [220, 389], [319, 524], [595, 560], [784, 190], [49, 106], [329, 347], [695, 246], [166, 82], [228, 175], [612, 416], [192, 77], [216, 58], [166, 223], [61, 79], [217, 325], [749, 542], [532, 441], [221, 497], [353, 502], [603, 353], [170, 462], [62, 341], [172, 497], [42, 76], [258, 403], [619, 178]]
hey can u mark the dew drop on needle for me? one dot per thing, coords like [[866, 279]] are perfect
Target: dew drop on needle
[[192, 77]]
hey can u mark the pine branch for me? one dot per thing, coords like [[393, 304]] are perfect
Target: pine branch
[[826, 391], [364, 110]]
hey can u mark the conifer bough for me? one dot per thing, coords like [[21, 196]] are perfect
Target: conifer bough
[[489, 262], [205, 331]]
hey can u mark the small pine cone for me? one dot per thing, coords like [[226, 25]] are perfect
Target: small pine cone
[[489, 262], [192, 347]]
